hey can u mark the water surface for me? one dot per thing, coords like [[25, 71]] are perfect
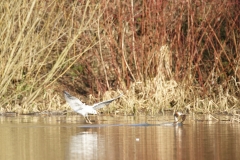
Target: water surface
[[69, 138]]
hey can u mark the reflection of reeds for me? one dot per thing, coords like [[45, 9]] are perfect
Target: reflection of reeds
[[236, 116], [155, 53]]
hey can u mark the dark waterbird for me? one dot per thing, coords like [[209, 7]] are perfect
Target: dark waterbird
[[179, 118]]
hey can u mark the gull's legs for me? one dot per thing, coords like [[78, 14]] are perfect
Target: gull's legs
[[88, 120]]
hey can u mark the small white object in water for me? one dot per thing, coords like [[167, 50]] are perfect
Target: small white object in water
[[137, 139]]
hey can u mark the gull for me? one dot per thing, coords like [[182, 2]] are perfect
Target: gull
[[84, 109]]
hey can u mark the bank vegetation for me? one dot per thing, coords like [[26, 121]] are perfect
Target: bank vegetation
[[162, 55]]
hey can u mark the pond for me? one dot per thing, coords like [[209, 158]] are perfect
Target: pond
[[116, 138]]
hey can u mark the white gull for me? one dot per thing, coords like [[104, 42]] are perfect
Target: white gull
[[84, 109]]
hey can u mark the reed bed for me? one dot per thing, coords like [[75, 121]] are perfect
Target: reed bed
[[162, 55], [36, 38]]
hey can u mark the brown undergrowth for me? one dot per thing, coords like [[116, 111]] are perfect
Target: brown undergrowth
[[162, 55]]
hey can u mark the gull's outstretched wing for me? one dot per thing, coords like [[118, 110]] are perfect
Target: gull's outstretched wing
[[104, 103], [74, 102]]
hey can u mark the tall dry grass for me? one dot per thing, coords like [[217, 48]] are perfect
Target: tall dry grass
[[37, 38]]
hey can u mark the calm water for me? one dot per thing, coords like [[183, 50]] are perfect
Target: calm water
[[69, 138]]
